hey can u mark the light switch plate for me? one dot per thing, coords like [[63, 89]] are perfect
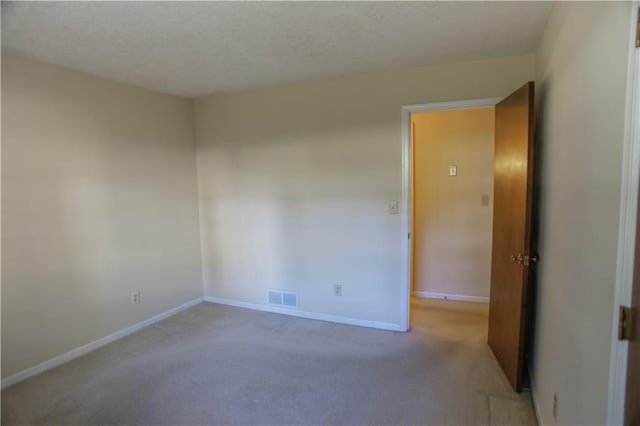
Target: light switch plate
[[393, 207], [485, 200], [453, 170]]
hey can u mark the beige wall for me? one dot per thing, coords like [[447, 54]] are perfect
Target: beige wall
[[295, 181], [452, 229], [581, 71], [99, 199]]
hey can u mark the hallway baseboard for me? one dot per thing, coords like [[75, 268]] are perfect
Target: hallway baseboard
[[446, 296]]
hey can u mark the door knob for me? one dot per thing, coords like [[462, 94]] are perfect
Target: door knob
[[521, 259]]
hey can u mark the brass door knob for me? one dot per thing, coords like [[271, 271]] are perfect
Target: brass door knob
[[525, 260]]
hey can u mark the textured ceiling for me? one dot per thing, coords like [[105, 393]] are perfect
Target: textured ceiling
[[198, 48]]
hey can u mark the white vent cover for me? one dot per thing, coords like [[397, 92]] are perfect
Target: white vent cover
[[286, 299]]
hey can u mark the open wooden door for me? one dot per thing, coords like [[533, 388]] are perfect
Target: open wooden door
[[512, 220]]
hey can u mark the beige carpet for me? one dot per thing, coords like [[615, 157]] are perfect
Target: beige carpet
[[214, 364]]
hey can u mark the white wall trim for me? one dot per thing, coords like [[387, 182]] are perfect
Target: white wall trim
[[304, 314], [447, 296], [82, 350], [626, 228], [407, 177], [534, 398]]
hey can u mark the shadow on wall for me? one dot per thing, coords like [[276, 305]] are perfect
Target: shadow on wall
[[98, 191], [539, 205], [302, 212]]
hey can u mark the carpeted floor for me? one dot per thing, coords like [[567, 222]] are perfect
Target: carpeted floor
[[215, 364]]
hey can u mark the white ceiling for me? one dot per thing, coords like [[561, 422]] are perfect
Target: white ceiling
[[198, 48]]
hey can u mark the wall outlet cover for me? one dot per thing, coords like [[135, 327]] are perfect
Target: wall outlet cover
[[337, 289]]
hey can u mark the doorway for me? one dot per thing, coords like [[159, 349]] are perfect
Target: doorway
[[453, 161], [511, 247], [446, 157]]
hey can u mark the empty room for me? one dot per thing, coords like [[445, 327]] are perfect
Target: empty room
[[307, 212]]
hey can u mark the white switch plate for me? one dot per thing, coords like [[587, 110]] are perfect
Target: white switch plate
[[393, 207], [453, 170], [484, 200]]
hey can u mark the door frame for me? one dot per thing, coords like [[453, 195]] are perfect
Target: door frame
[[626, 227], [406, 207]]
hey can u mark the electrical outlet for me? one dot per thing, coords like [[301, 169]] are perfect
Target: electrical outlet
[[337, 290], [555, 406], [135, 297]]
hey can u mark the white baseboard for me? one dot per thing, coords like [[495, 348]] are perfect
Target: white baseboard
[[534, 398], [82, 350], [445, 296], [304, 314]]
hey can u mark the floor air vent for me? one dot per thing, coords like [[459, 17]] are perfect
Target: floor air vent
[[286, 299]]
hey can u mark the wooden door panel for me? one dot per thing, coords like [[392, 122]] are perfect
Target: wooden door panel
[[512, 218]]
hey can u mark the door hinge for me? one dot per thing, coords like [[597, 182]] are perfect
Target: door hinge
[[638, 30], [625, 323], [409, 236]]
